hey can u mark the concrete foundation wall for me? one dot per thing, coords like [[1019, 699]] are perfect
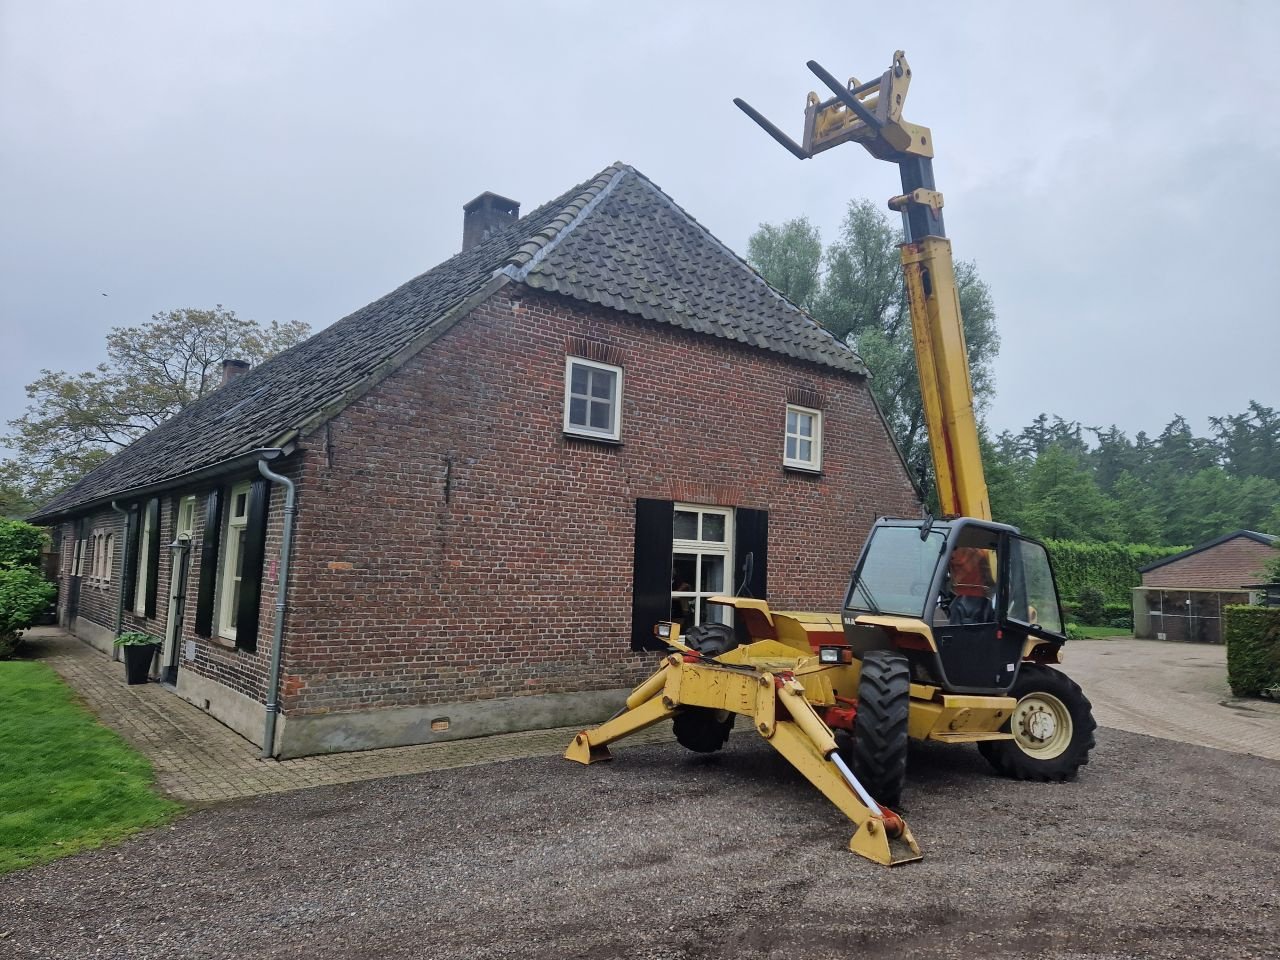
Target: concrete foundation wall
[[302, 736]]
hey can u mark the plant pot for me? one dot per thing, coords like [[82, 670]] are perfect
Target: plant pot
[[137, 661]]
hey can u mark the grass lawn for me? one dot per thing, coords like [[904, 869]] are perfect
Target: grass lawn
[[66, 781], [1098, 633]]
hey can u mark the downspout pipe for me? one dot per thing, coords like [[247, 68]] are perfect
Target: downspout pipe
[[282, 587], [124, 564]]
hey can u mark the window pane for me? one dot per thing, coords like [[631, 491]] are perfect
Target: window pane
[[241, 502], [602, 384], [686, 527], [806, 425], [240, 538], [791, 448], [806, 451], [712, 574], [712, 612], [600, 415], [791, 421], [578, 379], [578, 412], [713, 528]]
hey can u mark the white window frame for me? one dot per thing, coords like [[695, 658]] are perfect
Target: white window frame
[[814, 463], [231, 555], [144, 562], [585, 430], [706, 548], [102, 543], [186, 518]]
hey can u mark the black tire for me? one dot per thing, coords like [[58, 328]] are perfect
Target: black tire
[[711, 639], [702, 729], [1052, 726], [877, 750]]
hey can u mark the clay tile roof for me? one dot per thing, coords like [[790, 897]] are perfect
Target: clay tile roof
[[614, 240]]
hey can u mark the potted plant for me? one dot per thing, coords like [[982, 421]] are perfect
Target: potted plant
[[139, 650]]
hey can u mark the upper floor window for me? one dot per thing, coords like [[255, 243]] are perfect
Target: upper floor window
[[592, 399], [803, 444]]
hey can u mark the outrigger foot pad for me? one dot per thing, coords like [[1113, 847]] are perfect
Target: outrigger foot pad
[[581, 751]]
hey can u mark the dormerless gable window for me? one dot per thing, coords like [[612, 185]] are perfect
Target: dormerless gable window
[[802, 449], [592, 399]]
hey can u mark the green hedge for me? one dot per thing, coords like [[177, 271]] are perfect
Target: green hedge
[[1253, 649], [1118, 615], [1111, 567]]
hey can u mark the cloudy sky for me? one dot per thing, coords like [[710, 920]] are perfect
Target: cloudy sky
[[1108, 165]]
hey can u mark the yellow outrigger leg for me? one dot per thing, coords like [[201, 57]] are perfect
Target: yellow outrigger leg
[[777, 706]]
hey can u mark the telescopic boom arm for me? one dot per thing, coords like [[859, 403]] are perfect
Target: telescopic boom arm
[[871, 114]]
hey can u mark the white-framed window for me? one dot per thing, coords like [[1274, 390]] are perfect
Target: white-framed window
[[592, 399], [701, 564], [233, 560], [102, 543], [144, 564], [186, 518], [802, 448], [77, 558]]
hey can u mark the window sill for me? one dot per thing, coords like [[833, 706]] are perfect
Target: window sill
[[593, 438], [219, 641], [814, 472]]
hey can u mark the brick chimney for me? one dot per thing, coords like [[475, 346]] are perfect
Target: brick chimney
[[485, 216], [232, 369]]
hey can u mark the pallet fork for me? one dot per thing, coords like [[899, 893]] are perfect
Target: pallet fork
[[770, 693]]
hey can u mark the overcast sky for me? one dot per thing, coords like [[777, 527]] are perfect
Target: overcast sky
[[1109, 166]]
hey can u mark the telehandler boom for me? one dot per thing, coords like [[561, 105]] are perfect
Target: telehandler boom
[[949, 625]]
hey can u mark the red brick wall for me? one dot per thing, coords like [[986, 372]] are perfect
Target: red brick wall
[[1230, 565], [453, 544]]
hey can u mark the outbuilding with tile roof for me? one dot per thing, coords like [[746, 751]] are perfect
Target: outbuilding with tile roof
[[485, 487]]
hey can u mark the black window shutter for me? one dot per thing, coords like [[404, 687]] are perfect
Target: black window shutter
[[132, 542], [751, 537], [255, 549], [651, 577], [153, 557], [209, 564]]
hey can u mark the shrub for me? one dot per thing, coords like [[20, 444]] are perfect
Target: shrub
[[1110, 567], [24, 595], [134, 639], [1091, 603], [1252, 635], [20, 544], [1119, 615]]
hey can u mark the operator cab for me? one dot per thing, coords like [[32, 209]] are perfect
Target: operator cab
[[979, 588]]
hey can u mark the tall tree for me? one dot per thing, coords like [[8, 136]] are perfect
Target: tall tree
[[75, 421], [860, 298]]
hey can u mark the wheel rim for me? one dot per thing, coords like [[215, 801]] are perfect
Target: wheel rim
[[1041, 726]]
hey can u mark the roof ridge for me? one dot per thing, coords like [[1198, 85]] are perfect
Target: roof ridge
[[752, 272], [534, 249]]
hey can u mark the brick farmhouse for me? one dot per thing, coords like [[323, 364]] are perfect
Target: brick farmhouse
[[1182, 596], [483, 489]]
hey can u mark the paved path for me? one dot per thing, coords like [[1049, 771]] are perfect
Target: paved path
[[1175, 691], [198, 760]]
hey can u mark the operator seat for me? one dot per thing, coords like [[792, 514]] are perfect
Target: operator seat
[[971, 609]]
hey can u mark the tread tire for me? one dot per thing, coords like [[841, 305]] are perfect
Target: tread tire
[[877, 750], [1011, 760], [711, 639], [702, 729]]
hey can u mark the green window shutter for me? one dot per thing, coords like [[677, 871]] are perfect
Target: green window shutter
[[153, 558], [651, 576], [209, 564], [255, 549], [132, 544]]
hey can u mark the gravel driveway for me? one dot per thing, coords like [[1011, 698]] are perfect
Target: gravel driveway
[[1160, 850]]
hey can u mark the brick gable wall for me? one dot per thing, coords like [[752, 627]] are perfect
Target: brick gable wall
[[1229, 565], [454, 545]]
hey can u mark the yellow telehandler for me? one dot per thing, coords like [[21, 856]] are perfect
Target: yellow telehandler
[[949, 626]]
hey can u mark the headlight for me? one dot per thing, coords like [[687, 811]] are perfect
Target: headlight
[[835, 655], [662, 630]]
